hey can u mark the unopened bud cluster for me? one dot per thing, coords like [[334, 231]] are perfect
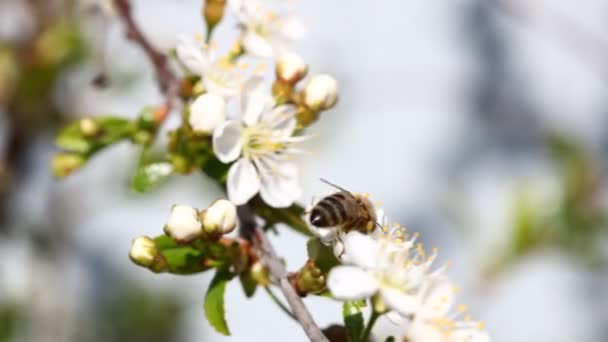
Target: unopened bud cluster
[[310, 279], [187, 224], [320, 92]]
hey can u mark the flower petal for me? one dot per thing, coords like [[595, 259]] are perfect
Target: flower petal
[[399, 301], [362, 250], [280, 186], [257, 45], [395, 317], [243, 181], [351, 283], [469, 335], [292, 28], [422, 331], [191, 55], [282, 120], [207, 112], [253, 100], [326, 235], [227, 141], [438, 299]]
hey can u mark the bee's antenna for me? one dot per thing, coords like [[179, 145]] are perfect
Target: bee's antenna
[[334, 185]]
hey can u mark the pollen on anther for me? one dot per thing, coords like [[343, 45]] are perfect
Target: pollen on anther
[[462, 308]]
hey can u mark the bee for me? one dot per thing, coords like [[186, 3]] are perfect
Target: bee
[[345, 210]]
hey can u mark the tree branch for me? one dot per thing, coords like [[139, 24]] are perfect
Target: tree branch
[[167, 81], [251, 231]]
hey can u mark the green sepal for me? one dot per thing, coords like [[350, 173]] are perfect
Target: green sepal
[[353, 320], [322, 255], [248, 283]]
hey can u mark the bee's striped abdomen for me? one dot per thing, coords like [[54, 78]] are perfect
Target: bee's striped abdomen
[[330, 211]]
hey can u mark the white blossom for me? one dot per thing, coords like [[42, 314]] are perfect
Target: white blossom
[[264, 32], [431, 321], [218, 74], [321, 92], [261, 143], [394, 269], [220, 217], [183, 224], [207, 112]]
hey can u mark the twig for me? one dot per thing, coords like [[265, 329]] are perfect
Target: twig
[[251, 231], [167, 81]]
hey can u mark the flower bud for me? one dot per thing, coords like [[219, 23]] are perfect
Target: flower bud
[[290, 68], [145, 253], [206, 112], [220, 217], [213, 13], [183, 225], [321, 92], [88, 127], [260, 273], [63, 164], [310, 279]]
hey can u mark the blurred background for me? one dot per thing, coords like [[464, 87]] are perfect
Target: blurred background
[[481, 124]]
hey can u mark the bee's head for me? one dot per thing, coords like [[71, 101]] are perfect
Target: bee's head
[[366, 206]]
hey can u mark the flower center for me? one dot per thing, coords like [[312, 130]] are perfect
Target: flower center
[[259, 141]]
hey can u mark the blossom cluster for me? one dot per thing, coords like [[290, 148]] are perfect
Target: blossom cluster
[[389, 267], [261, 141], [243, 129]]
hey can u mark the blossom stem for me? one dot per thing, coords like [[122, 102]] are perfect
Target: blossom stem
[[252, 232], [279, 303], [167, 81], [370, 324]]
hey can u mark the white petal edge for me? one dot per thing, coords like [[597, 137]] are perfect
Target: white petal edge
[[207, 112], [362, 250], [399, 301], [257, 45], [228, 141], [191, 55], [243, 181], [253, 100], [280, 186], [395, 318], [351, 283]]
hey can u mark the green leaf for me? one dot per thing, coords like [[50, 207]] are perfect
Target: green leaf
[[248, 283], [322, 255], [291, 216], [151, 175], [390, 339], [353, 320], [214, 301]]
